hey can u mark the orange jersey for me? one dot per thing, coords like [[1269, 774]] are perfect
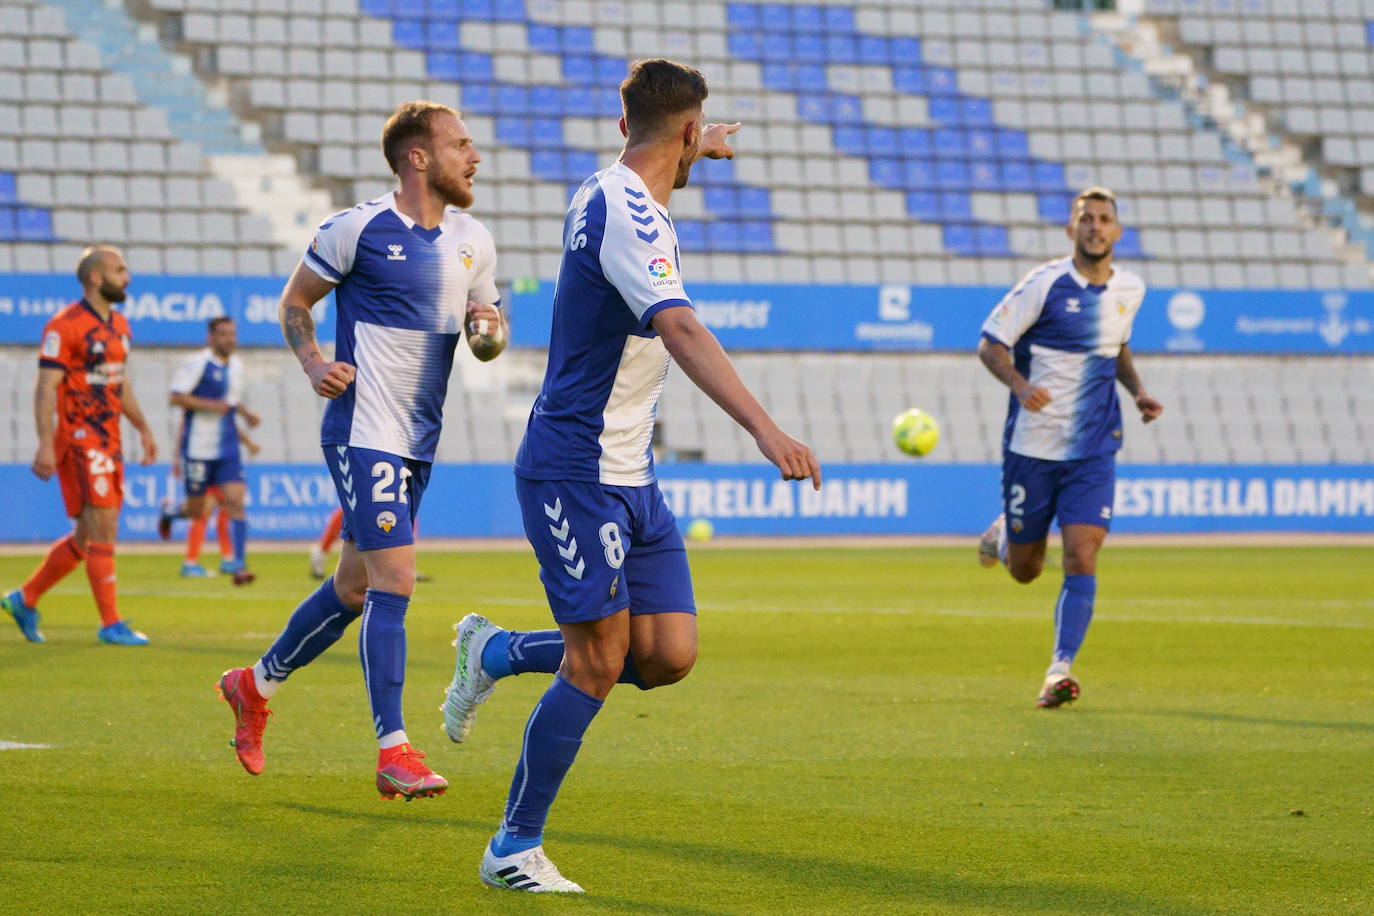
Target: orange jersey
[[91, 352]]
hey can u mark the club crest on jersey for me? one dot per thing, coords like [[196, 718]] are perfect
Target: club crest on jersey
[[467, 253], [101, 485], [386, 520], [395, 253], [1017, 525], [97, 347]]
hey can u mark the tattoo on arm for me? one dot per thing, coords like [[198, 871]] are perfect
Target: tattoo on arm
[[298, 327], [1125, 372]]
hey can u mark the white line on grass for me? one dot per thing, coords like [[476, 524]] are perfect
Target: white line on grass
[[21, 746]]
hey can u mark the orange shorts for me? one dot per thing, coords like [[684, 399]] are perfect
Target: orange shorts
[[90, 477]]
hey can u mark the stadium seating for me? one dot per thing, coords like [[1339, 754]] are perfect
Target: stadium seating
[[1221, 410]]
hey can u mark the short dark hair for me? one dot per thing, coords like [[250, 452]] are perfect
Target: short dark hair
[[91, 260], [409, 122], [657, 89], [216, 322], [1097, 192]]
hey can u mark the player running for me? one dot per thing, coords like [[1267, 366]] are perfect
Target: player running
[[208, 387], [410, 272], [84, 379], [1059, 341], [612, 562]]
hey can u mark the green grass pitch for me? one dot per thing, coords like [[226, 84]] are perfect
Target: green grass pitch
[[859, 736]]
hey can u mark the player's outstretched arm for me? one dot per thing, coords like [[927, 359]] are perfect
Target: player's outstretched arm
[[44, 414], [134, 411], [303, 290], [1149, 408], [998, 359], [715, 142], [700, 355]]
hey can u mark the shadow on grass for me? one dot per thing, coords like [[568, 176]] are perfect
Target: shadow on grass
[[1255, 720]]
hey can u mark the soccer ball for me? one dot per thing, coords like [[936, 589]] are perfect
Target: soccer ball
[[915, 432], [700, 529]]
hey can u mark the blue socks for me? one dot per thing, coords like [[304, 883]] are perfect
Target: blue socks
[[316, 624], [552, 738], [513, 652], [1072, 614], [382, 647], [238, 536]]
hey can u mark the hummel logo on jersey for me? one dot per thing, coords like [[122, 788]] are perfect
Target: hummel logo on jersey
[[395, 253], [1072, 306], [1106, 511]]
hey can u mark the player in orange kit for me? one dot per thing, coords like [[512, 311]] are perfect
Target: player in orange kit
[[82, 379]]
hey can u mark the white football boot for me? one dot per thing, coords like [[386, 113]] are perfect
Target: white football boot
[[990, 544], [317, 557], [530, 871], [1060, 687], [471, 685]]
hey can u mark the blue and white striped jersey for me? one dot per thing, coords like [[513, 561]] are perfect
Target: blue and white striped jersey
[[205, 435], [402, 297], [1065, 335], [594, 417]]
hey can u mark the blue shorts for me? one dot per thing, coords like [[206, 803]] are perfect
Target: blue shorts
[[201, 475], [1034, 491], [604, 548], [379, 493]]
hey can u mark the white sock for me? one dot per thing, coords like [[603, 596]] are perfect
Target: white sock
[[1058, 668], [1003, 545], [391, 739], [266, 687]]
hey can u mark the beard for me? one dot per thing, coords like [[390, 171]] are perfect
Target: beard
[[684, 170], [450, 189], [1089, 257], [112, 293]]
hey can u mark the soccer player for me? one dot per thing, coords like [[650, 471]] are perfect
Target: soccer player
[[333, 526], [208, 387], [411, 272], [611, 559], [83, 378], [1060, 341]]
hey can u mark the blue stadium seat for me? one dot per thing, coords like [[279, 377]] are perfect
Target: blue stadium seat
[[33, 224], [945, 109], [479, 98], [850, 140], [756, 235], [8, 192], [691, 234], [905, 50], [545, 133], [1054, 208], [982, 143], [809, 48], [549, 165], [609, 70], [951, 175], [443, 10], [887, 173], [547, 100], [941, 81], [714, 171], [508, 10], [723, 235], [976, 111], [911, 80], [379, 8], [882, 141], [1129, 246], [8, 232], [874, 49], [721, 200], [955, 207], [1049, 176], [607, 102], [780, 77], [916, 141], [807, 19], [991, 241], [400, 9], [543, 38], [1012, 144], [841, 49], [580, 103], [579, 69], [960, 238], [813, 108], [846, 109], [754, 201], [513, 100], [513, 131], [745, 45], [479, 10], [924, 206], [441, 35], [839, 19], [408, 33], [1017, 175], [777, 46], [984, 176], [742, 15], [475, 67], [950, 142], [919, 174], [581, 163]]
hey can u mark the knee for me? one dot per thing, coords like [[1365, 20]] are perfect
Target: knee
[[351, 593], [1082, 562], [596, 672], [667, 668], [1026, 573]]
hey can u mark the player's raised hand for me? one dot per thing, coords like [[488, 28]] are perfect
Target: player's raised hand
[[792, 458], [1150, 409], [330, 379], [1033, 398], [149, 447], [44, 462], [714, 142]]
